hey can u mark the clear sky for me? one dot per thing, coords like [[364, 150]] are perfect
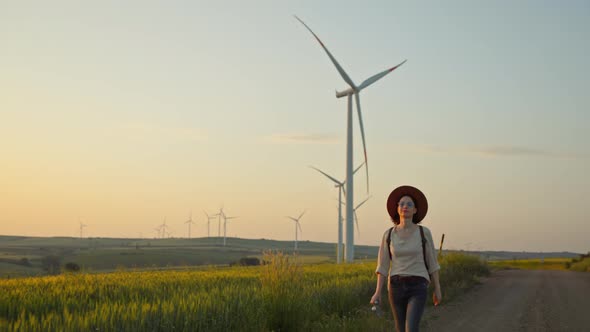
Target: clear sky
[[126, 113]]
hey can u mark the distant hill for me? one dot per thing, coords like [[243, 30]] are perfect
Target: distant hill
[[107, 254], [505, 255], [22, 255]]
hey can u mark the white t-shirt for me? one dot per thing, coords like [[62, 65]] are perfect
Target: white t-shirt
[[406, 254]]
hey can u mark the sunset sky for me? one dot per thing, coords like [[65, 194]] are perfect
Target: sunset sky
[[121, 114]]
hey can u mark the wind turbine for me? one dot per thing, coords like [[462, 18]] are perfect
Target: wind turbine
[[340, 186], [209, 218], [353, 90], [220, 215], [164, 228], [225, 219], [297, 226], [189, 222], [81, 227], [158, 231]]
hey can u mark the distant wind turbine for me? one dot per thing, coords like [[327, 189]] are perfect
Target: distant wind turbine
[[219, 215], [340, 186], [164, 229], [225, 219], [209, 218], [158, 231], [189, 222], [297, 226], [81, 227], [353, 90]]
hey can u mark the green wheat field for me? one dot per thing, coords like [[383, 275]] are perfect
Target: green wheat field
[[282, 295]]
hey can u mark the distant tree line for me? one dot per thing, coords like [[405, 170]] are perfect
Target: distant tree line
[[22, 261], [246, 261], [52, 264]]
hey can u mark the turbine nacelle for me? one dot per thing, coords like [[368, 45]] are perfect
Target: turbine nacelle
[[344, 93]]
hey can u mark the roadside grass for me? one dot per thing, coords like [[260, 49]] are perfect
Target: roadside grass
[[531, 264], [581, 266], [458, 273]]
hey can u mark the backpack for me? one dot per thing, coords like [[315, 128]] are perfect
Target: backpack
[[423, 245]]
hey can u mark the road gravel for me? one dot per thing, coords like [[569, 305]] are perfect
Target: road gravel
[[518, 300]]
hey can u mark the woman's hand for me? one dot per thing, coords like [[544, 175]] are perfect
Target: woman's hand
[[376, 299], [436, 296]]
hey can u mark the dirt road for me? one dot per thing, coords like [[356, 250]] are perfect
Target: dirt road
[[518, 300]]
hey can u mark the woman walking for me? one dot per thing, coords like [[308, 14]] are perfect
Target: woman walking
[[407, 259]]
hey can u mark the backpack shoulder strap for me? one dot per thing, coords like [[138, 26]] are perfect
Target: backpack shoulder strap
[[389, 242], [423, 246]]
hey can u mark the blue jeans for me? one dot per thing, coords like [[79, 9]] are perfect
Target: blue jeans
[[407, 297]]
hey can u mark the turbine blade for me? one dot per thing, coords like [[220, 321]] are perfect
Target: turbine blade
[[345, 76], [353, 172], [299, 226], [377, 77], [358, 109], [328, 176], [295, 220], [356, 219], [361, 165], [361, 203], [301, 215]]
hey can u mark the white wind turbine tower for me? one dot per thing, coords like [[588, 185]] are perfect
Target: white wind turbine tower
[[219, 215], [340, 186], [209, 218], [352, 90], [297, 226], [225, 219], [189, 222]]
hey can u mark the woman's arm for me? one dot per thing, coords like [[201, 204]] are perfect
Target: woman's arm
[[437, 295], [380, 282], [382, 270], [433, 267]]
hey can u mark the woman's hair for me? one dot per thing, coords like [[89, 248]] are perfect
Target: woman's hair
[[396, 217]]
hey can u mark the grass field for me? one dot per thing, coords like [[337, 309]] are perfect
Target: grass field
[[284, 295], [581, 266], [531, 264]]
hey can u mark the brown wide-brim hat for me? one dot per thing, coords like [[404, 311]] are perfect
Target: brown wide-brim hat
[[417, 196]]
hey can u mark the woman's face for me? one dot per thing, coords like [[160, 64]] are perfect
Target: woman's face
[[406, 208]]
